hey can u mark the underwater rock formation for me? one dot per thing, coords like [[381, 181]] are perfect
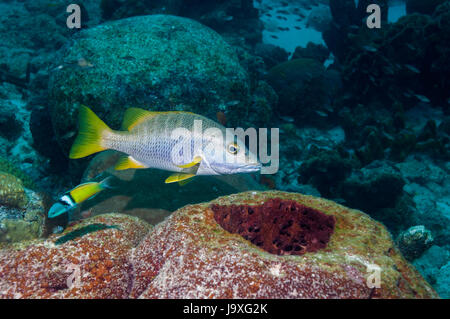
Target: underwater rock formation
[[420, 6], [10, 127], [325, 169], [88, 260], [319, 18], [434, 264], [414, 242], [317, 249], [405, 61], [191, 256], [305, 89], [12, 193], [44, 140], [236, 19], [377, 189], [22, 211], [312, 51], [271, 54], [158, 62]]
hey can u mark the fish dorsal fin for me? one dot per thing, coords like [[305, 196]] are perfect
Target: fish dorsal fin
[[194, 162], [178, 177], [126, 162], [134, 116]]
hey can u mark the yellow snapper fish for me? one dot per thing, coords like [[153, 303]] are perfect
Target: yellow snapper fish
[[147, 142], [73, 198]]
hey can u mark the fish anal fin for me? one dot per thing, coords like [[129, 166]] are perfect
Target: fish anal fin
[[178, 177], [194, 162], [126, 162]]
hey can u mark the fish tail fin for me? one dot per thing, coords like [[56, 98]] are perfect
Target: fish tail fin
[[90, 136], [107, 183], [86, 191]]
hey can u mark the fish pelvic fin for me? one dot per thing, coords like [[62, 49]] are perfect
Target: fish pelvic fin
[[194, 162], [90, 136], [126, 162], [85, 191], [179, 177]]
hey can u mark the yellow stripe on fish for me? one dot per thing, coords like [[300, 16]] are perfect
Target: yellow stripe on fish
[[85, 191]]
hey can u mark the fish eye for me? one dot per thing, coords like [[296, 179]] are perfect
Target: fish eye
[[233, 148]]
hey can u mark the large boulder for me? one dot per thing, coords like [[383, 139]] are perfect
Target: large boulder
[[156, 62], [272, 245]]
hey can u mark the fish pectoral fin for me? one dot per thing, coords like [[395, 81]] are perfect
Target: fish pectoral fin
[[194, 162], [126, 162], [178, 177]]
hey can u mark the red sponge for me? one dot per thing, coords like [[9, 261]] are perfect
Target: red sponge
[[282, 227]]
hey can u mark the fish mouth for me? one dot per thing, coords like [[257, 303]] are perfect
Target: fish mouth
[[237, 168], [251, 167]]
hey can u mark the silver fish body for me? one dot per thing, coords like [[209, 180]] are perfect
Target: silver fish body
[[153, 142]]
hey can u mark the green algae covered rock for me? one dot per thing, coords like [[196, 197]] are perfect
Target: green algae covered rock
[[25, 222], [12, 192], [156, 62], [22, 210], [8, 167]]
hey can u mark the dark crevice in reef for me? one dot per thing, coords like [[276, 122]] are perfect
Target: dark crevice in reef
[[282, 227]]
